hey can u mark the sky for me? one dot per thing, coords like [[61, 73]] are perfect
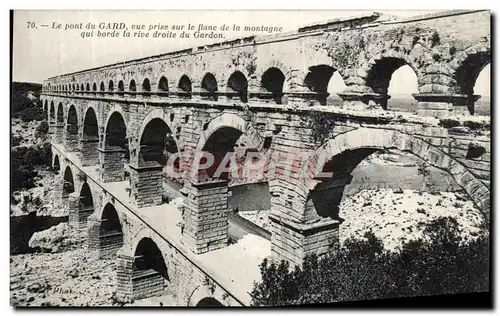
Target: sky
[[43, 52]]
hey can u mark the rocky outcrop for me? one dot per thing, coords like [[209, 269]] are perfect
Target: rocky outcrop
[[55, 239]]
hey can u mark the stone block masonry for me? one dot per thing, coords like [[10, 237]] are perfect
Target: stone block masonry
[[78, 216], [102, 244], [124, 287], [205, 216], [58, 191], [146, 185], [293, 241], [109, 243], [93, 226], [147, 283], [58, 135], [71, 141], [88, 151], [111, 165]]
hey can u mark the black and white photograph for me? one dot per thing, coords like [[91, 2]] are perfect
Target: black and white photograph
[[249, 158]]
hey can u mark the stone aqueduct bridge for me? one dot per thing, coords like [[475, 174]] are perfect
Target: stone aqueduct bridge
[[111, 126]]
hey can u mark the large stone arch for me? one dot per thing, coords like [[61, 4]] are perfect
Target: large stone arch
[[106, 234], [399, 54], [71, 131], [460, 57], [285, 69], [133, 265], [69, 185], [230, 120], [115, 108], [465, 69], [377, 73], [151, 157], [114, 146], [367, 138], [154, 114], [83, 207], [203, 297], [88, 119], [226, 120]]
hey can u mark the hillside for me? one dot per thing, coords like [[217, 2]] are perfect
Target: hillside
[[25, 101]]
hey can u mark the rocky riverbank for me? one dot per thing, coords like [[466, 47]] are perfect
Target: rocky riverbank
[[395, 216]]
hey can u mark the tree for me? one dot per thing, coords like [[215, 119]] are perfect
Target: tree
[[441, 263]]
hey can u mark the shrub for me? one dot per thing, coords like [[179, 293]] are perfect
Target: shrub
[[42, 129], [448, 123], [440, 263], [16, 140], [23, 161]]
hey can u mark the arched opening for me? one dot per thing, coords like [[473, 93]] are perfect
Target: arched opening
[[73, 87], [467, 76], [379, 78], [110, 232], [157, 143], [149, 271], [94, 87], [373, 173], [336, 85], [209, 302], [78, 217], [89, 149], [111, 86], [209, 87], [52, 112], [72, 122], [45, 106], [57, 166], [272, 82], [132, 88], [163, 86], [157, 146], [121, 87], [403, 84], [82, 87], [90, 127], [184, 87], [323, 201], [237, 85], [116, 135], [115, 153], [482, 87], [60, 114], [146, 86], [102, 87], [221, 144], [68, 183], [317, 80], [87, 88], [71, 139]]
